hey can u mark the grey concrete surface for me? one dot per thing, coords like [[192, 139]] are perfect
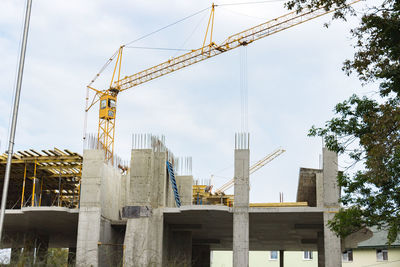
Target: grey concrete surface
[[241, 208], [185, 184], [292, 229], [332, 245], [100, 203], [59, 223], [144, 234]]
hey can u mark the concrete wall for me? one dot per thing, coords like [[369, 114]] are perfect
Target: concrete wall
[[100, 202], [185, 184], [144, 232]]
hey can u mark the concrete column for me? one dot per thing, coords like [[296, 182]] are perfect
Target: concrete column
[[141, 175], [90, 209], [146, 198], [135, 253], [201, 256], [321, 250], [319, 189], [332, 247], [185, 184], [241, 209]]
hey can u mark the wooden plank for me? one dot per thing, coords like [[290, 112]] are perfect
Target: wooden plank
[[47, 153], [37, 153], [59, 151], [53, 152], [29, 153]]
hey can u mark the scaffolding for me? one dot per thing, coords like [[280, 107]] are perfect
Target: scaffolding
[[46, 178]]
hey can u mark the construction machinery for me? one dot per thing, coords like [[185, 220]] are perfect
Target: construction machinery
[[259, 164], [202, 194], [107, 98]]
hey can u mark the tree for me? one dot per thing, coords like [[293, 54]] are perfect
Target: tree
[[367, 129]]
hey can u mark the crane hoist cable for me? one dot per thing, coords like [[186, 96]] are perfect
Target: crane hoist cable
[[107, 98]]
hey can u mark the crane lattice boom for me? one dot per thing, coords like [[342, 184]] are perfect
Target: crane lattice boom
[[108, 97], [259, 164], [243, 38]]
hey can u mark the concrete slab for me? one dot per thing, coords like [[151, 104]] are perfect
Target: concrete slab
[[289, 228], [59, 223]]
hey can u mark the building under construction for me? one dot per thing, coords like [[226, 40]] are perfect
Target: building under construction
[[150, 213]]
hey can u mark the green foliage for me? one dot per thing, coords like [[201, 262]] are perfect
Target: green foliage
[[57, 257], [346, 222], [368, 130]]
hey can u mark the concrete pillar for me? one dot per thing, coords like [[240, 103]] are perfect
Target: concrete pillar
[[321, 249], [146, 198], [185, 184], [90, 208], [281, 258], [332, 247], [241, 209], [201, 256]]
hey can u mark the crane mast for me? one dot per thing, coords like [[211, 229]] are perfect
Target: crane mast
[[108, 97]]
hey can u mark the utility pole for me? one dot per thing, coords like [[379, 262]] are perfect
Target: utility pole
[[15, 115]]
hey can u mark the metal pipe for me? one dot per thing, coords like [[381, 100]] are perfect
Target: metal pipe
[[15, 115]]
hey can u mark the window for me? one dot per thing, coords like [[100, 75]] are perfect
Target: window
[[347, 255], [307, 255], [273, 255], [111, 103], [381, 255], [103, 103]]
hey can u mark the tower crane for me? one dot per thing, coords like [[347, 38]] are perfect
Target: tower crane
[[259, 164], [107, 98]]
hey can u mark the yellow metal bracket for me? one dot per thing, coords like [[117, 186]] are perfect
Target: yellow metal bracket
[[117, 66], [210, 20]]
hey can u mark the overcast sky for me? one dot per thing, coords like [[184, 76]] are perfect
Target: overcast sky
[[294, 81]]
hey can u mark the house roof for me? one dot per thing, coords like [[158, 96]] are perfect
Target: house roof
[[379, 239]]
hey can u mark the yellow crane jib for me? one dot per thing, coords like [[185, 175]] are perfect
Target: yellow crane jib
[[108, 97]]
